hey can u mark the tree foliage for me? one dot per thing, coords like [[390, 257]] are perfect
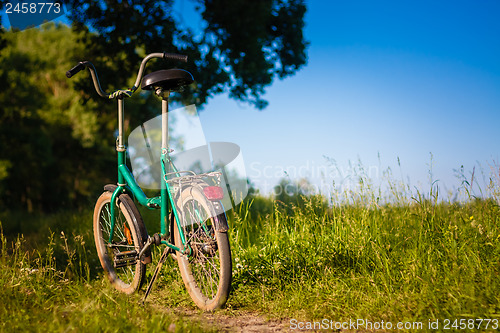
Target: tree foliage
[[49, 151], [241, 49], [57, 136]]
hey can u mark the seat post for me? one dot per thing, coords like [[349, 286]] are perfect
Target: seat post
[[164, 152], [164, 119], [164, 123]]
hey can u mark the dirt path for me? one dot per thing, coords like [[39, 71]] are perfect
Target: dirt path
[[246, 322]]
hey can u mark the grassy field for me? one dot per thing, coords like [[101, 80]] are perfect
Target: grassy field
[[416, 258]]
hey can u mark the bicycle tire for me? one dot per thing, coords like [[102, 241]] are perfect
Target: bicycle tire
[[207, 272], [128, 236]]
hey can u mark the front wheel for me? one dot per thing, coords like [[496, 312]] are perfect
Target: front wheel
[[118, 257], [206, 271]]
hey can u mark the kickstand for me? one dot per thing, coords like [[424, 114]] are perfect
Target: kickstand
[[155, 274]]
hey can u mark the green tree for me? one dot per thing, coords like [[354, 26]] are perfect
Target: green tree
[[56, 135], [241, 49], [298, 193], [48, 140]]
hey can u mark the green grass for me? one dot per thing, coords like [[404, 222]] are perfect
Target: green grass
[[412, 259], [421, 261], [39, 294]]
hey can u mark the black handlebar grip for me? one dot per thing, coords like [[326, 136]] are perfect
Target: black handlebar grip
[[75, 69], [177, 57]]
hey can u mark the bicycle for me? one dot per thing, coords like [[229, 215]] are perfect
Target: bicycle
[[193, 225]]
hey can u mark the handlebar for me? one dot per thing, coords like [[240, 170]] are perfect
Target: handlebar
[[75, 69], [177, 57], [128, 92]]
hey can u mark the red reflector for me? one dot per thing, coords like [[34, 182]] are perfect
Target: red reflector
[[213, 192]]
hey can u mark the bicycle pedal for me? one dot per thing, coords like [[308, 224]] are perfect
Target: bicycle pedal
[[126, 258]]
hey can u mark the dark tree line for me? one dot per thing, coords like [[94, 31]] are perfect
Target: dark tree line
[[56, 135]]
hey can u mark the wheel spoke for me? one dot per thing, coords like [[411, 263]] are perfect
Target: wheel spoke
[[208, 263], [204, 264], [119, 242]]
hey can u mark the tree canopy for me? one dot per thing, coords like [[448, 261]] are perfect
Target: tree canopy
[[49, 151], [241, 48], [56, 135]]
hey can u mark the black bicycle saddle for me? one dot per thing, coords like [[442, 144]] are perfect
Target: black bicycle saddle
[[167, 79]]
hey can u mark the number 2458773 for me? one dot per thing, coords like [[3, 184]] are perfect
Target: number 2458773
[[33, 8]]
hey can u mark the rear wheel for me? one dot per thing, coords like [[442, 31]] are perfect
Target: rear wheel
[[118, 257], [207, 270]]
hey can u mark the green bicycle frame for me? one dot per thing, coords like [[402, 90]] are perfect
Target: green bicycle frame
[[128, 184]]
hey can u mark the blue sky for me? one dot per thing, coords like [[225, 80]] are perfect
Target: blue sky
[[390, 79], [384, 80]]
